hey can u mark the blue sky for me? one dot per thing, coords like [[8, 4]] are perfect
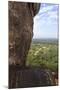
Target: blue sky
[[46, 22]]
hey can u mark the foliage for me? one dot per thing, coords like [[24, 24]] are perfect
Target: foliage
[[44, 55]]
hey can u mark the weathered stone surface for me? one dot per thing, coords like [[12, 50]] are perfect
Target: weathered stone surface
[[20, 30], [28, 77]]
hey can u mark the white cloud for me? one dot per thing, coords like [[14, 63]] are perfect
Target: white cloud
[[46, 24], [46, 9]]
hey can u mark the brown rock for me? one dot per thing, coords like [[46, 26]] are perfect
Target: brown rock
[[20, 30]]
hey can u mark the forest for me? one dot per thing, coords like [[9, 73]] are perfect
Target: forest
[[44, 54]]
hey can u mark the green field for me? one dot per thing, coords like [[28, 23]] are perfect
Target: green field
[[44, 54]]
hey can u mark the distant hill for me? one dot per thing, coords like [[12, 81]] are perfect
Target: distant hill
[[52, 41]]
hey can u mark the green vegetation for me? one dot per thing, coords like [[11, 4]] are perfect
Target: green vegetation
[[43, 54]]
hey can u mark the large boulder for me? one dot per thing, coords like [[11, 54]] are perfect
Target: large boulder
[[20, 30]]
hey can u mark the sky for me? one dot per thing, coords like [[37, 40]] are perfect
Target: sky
[[46, 21]]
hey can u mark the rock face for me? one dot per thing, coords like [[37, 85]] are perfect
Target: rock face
[[28, 77], [20, 30]]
